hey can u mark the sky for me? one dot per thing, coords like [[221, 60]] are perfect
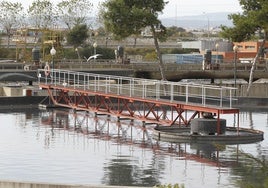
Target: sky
[[194, 7], [178, 8]]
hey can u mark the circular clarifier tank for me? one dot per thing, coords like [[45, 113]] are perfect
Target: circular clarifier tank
[[231, 135]]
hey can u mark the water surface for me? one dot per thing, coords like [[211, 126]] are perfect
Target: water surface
[[62, 147]]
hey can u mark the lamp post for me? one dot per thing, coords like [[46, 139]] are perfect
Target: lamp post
[[95, 46], [78, 54], [217, 54], [208, 28], [52, 53], [235, 48]]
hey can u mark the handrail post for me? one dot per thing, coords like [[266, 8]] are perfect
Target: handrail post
[[204, 102], [98, 83], [230, 98], [202, 95], [130, 88], [59, 73], [64, 79], [95, 84], [39, 76], [118, 86], [85, 81], [106, 84], [121, 87], [54, 77], [171, 92], [157, 90], [186, 93], [221, 98], [143, 90], [88, 81]]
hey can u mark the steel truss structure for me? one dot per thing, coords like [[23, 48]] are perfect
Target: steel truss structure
[[150, 101]]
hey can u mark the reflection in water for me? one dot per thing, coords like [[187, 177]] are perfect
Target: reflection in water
[[125, 172], [122, 169], [132, 158], [254, 171]]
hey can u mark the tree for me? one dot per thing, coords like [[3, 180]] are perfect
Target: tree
[[128, 17], [253, 67], [179, 33], [77, 35], [254, 18], [42, 14], [74, 12], [11, 15]]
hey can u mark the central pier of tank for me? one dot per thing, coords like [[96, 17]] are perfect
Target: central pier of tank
[[208, 126]]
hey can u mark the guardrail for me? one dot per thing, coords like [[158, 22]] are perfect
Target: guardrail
[[152, 66], [140, 88], [144, 66]]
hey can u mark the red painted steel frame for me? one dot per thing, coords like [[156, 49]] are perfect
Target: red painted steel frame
[[147, 110]]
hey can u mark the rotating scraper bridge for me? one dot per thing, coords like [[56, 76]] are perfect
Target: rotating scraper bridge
[[150, 101]]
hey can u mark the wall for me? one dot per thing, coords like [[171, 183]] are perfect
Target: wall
[[257, 90], [249, 46], [10, 91], [7, 184]]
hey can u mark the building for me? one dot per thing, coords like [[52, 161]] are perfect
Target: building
[[246, 50]]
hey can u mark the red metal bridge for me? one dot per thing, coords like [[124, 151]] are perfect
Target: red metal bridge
[[151, 101]]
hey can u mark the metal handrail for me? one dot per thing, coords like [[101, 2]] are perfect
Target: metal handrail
[[141, 88]]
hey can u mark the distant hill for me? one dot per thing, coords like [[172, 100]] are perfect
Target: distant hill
[[199, 21]]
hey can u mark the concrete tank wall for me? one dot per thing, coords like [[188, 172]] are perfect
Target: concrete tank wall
[[12, 91], [6, 184]]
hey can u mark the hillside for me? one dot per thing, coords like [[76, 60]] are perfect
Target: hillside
[[202, 21]]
